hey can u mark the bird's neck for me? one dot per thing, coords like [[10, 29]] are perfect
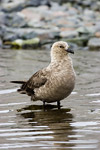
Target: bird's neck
[[58, 58]]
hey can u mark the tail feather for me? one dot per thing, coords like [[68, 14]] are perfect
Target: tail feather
[[18, 82]]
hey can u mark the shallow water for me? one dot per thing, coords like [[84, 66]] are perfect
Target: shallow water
[[25, 125]]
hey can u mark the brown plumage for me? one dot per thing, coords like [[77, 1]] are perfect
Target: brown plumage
[[56, 81]]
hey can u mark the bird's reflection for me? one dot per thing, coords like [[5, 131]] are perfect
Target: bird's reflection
[[57, 120]]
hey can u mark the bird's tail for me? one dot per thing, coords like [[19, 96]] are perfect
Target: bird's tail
[[18, 82]]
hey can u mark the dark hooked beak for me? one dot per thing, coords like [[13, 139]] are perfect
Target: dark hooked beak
[[69, 50]]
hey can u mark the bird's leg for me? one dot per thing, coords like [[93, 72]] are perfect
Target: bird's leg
[[44, 105], [58, 104]]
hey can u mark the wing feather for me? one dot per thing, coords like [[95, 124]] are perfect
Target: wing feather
[[36, 81]]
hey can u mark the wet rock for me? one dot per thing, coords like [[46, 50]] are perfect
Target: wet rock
[[94, 44], [30, 43]]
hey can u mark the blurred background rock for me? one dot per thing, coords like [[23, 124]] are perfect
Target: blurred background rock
[[31, 24]]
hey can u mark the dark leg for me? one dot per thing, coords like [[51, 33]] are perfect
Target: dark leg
[[44, 105], [58, 104]]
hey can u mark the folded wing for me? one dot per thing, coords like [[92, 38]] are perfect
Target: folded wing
[[36, 81]]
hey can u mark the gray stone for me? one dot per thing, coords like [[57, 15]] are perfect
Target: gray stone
[[69, 34], [2, 18], [13, 6], [3, 30], [80, 41], [16, 5], [15, 20], [94, 44], [82, 31], [96, 6], [11, 34], [97, 26], [37, 3], [89, 14], [0, 43]]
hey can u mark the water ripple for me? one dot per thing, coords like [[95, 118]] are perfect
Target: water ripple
[[8, 91]]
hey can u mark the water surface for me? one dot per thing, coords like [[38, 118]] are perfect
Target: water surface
[[25, 124]]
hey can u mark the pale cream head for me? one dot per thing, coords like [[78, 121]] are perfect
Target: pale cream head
[[59, 50]]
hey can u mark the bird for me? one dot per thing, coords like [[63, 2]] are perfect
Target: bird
[[54, 82]]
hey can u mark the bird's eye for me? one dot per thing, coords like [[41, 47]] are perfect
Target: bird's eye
[[61, 46]]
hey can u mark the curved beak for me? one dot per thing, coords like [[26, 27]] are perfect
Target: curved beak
[[69, 50]]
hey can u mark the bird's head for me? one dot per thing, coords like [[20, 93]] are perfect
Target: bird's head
[[59, 50]]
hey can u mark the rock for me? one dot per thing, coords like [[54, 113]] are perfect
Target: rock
[[30, 43], [28, 35], [8, 34], [84, 31], [94, 44], [97, 34], [0, 43], [85, 3], [69, 34], [88, 15], [96, 6], [97, 26], [12, 20], [31, 15], [15, 5], [15, 20], [3, 30], [80, 41], [2, 18], [11, 34], [36, 3]]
